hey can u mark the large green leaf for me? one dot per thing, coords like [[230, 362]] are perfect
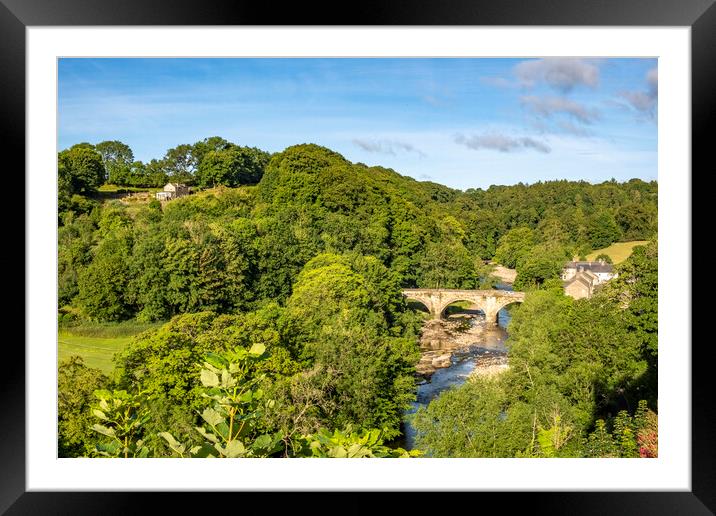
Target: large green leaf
[[103, 430], [338, 452], [203, 451], [234, 449], [223, 430], [211, 416], [168, 438], [103, 394], [209, 378], [216, 360], [263, 441], [110, 449], [257, 349], [173, 443], [226, 379], [208, 436]]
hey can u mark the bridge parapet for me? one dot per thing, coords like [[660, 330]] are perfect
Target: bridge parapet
[[489, 301]]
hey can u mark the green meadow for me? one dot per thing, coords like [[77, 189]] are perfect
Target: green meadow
[[618, 251], [97, 343]]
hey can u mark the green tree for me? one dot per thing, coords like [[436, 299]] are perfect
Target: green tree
[[603, 230], [117, 158], [636, 291], [470, 421], [544, 262], [212, 143], [446, 262], [76, 384], [514, 246], [75, 239], [637, 221], [232, 166], [80, 171], [102, 286], [156, 173], [180, 164], [332, 321]]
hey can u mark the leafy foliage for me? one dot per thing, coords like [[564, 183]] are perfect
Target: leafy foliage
[[231, 166], [76, 384], [630, 436], [350, 444], [230, 424], [306, 254], [122, 416], [237, 405]]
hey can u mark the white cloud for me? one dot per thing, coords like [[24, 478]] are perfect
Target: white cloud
[[561, 73], [389, 147], [645, 101], [500, 142], [549, 106]]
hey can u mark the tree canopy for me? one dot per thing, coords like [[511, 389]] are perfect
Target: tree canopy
[[304, 255]]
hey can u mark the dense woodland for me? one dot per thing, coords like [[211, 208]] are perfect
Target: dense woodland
[[285, 332]]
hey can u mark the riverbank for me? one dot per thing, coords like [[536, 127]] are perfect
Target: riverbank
[[442, 338], [455, 350], [504, 274]]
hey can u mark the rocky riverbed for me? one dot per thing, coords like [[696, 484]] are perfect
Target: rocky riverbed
[[455, 350], [488, 364], [445, 340]]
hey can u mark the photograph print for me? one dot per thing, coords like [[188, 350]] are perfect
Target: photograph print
[[357, 257]]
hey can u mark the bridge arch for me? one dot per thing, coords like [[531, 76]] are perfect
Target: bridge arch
[[451, 303], [505, 305], [489, 301], [425, 304]]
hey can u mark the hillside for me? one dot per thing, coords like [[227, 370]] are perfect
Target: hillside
[[618, 251], [235, 248]]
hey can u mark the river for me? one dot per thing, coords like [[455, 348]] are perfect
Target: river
[[470, 345]]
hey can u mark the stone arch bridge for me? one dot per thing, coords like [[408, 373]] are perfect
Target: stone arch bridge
[[436, 300]]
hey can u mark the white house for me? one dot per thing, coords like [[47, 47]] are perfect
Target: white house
[[602, 270], [172, 191]]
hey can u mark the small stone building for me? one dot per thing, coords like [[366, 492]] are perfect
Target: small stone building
[[172, 191], [602, 270], [580, 278], [581, 285]]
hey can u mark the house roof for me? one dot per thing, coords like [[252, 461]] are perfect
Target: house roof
[[581, 277], [591, 266], [589, 274]]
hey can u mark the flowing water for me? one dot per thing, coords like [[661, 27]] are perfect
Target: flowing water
[[474, 346]]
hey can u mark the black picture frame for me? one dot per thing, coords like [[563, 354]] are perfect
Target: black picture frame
[[699, 15]]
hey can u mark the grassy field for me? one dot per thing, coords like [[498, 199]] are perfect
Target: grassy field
[[617, 252], [126, 189], [97, 343]]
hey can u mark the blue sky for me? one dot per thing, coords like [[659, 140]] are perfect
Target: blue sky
[[465, 123]]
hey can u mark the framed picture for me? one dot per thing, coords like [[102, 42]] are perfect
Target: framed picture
[[39, 43]]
